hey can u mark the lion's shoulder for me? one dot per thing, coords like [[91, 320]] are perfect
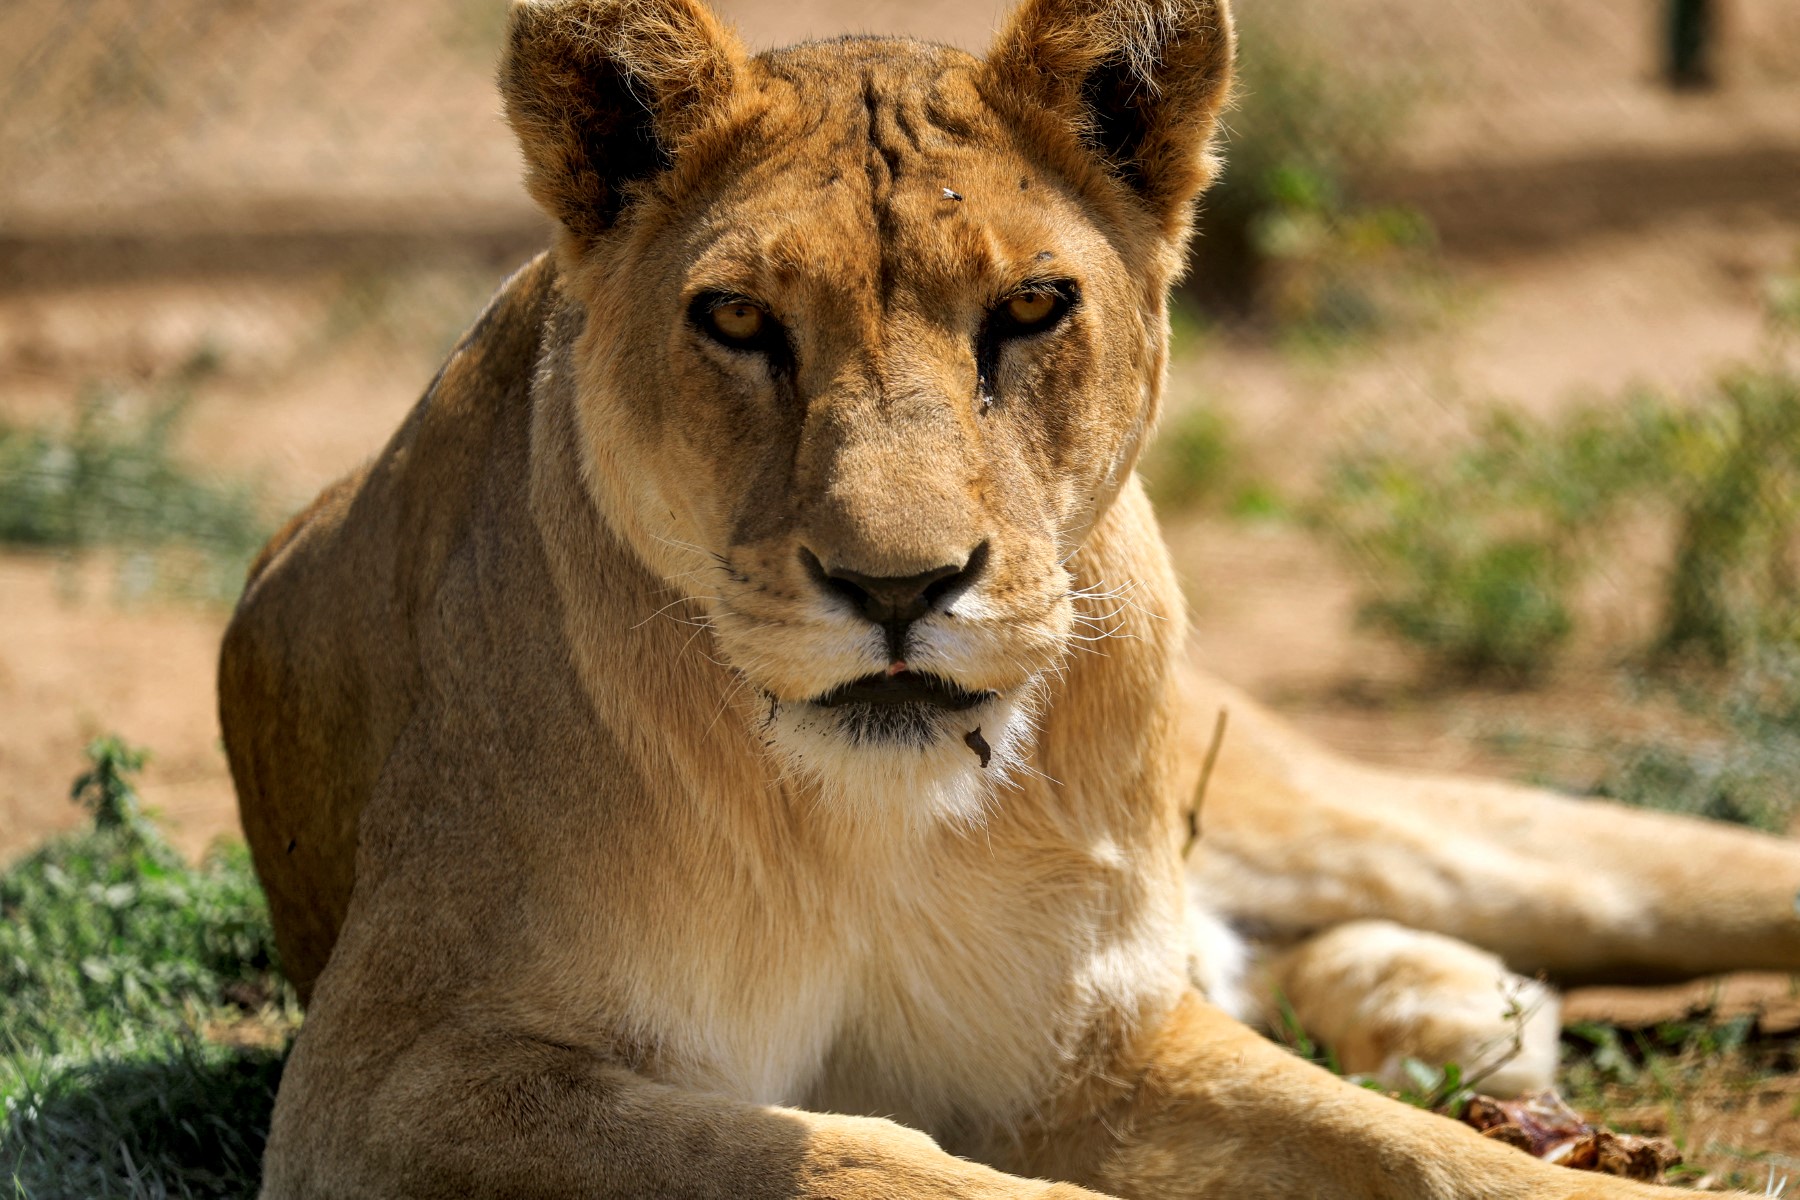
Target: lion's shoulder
[[319, 666]]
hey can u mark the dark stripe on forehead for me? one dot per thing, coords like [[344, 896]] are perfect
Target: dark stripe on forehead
[[895, 107], [904, 111], [882, 155], [906, 123]]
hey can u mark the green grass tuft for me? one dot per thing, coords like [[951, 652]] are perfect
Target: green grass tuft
[[117, 959]]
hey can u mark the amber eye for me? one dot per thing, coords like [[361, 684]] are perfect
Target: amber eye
[[742, 325], [1033, 311], [738, 321], [1031, 308]]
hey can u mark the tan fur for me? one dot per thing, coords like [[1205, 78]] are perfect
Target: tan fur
[[588, 898]]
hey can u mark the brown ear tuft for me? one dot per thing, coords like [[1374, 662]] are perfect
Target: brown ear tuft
[[1141, 81], [601, 94]]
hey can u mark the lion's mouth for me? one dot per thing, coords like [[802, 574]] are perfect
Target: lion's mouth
[[903, 709], [904, 688]]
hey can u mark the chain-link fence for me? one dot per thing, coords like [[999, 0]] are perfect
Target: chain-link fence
[[175, 122]]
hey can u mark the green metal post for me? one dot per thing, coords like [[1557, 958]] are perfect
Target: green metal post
[[1690, 43]]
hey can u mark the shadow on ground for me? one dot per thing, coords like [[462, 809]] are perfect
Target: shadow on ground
[[188, 1123]]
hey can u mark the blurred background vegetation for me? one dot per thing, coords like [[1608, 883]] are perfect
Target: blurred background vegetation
[[1481, 452]]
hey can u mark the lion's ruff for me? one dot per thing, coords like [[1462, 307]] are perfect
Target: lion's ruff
[[517, 713]]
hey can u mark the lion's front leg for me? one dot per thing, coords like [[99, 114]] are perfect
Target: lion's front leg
[[471, 1114], [1207, 1108]]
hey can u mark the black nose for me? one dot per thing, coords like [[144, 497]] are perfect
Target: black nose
[[894, 602]]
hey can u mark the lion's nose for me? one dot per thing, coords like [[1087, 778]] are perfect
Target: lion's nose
[[894, 602]]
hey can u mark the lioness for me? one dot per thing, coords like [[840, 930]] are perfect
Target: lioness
[[678, 766]]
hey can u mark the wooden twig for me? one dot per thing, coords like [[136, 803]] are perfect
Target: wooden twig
[[1206, 770]]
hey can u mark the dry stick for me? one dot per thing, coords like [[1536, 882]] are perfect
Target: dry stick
[[1509, 1048], [1206, 770]]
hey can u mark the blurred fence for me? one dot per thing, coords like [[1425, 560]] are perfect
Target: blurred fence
[[211, 133], [120, 110], [145, 135]]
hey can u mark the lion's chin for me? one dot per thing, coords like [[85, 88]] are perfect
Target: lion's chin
[[922, 760]]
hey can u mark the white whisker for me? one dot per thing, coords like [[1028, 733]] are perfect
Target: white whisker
[[671, 604]]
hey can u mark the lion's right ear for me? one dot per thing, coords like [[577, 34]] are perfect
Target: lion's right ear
[[601, 94]]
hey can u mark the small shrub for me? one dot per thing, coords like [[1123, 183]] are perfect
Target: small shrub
[[115, 955], [1473, 556], [1192, 458], [1197, 459], [1333, 272], [1733, 585], [1746, 775], [106, 789], [1485, 610], [113, 482]]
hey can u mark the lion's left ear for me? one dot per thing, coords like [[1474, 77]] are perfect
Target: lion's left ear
[[1141, 81]]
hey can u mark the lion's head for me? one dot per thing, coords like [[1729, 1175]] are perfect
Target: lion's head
[[871, 333]]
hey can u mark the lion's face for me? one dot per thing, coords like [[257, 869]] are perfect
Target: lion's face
[[856, 376]]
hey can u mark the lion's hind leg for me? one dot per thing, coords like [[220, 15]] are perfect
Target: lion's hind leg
[[1378, 994], [1296, 840]]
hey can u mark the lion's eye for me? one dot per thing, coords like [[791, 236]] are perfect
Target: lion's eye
[[1034, 310], [739, 321], [1031, 308]]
